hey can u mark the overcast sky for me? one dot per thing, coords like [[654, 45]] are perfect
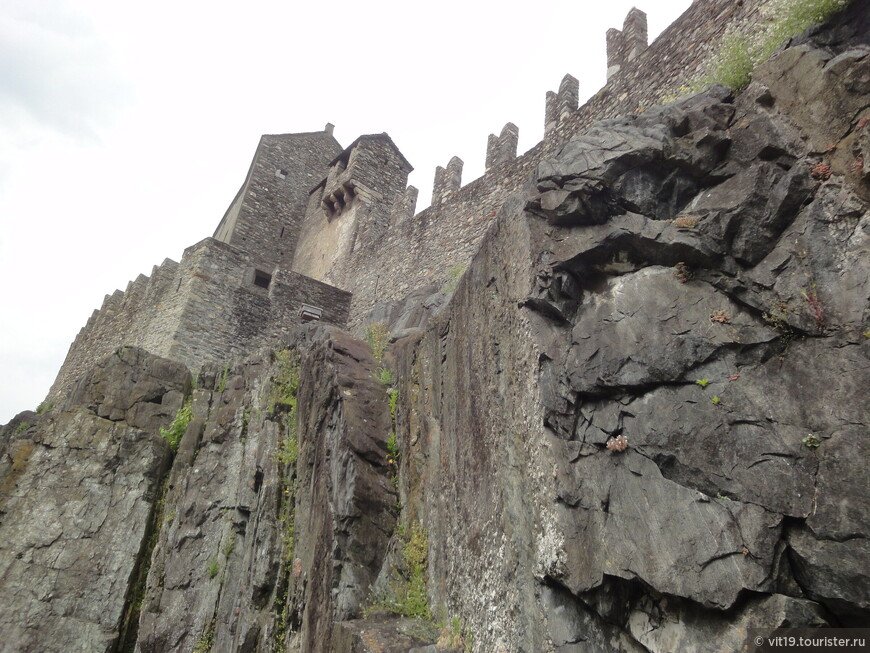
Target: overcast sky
[[127, 128]]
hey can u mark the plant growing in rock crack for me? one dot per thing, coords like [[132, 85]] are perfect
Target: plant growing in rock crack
[[720, 317], [407, 595], [213, 567], [392, 442], [814, 304], [738, 53], [617, 444], [176, 429], [282, 399], [454, 274], [44, 407], [776, 319], [377, 337], [683, 273], [206, 640], [222, 382], [385, 376], [812, 441], [716, 400]]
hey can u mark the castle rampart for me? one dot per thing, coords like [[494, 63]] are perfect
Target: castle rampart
[[346, 217], [423, 249]]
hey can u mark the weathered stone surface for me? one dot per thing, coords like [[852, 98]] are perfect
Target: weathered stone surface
[[637, 424], [259, 549], [77, 490], [722, 339]]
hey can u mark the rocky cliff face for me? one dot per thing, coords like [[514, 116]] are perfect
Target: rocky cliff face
[[638, 425]]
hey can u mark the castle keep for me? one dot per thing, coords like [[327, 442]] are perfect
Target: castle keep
[[318, 231]]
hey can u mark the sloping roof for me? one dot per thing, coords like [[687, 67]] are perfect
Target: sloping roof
[[345, 155]]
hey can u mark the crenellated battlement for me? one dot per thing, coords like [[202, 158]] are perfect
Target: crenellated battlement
[[336, 228], [447, 181], [503, 147]]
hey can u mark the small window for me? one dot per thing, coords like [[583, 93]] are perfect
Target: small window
[[262, 279], [281, 173]]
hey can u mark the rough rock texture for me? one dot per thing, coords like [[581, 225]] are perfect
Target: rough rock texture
[[77, 488], [637, 424], [685, 283], [260, 550]]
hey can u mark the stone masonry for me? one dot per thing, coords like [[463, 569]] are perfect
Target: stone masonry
[[345, 217]]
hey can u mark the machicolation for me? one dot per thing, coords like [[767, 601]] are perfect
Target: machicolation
[[322, 232]]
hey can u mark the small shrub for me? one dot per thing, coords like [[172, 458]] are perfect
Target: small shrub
[[686, 222], [821, 171], [814, 304], [230, 544], [703, 382], [285, 385], [617, 444], [176, 429], [22, 427], [386, 377], [44, 407], [739, 54], [377, 337], [206, 641], [213, 567], [716, 400], [222, 382], [683, 273], [454, 274], [732, 66], [408, 592], [811, 441], [392, 450], [288, 451]]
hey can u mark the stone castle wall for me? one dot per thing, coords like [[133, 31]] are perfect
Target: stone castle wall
[[206, 308], [374, 247], [266, 216], [422, 250]]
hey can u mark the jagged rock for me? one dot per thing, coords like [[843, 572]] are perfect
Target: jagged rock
[[76, 496], [651, 165], [260, 548], [637, 424]]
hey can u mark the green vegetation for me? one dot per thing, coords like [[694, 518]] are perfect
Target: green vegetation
[[230, 544], [285, 385], [206, 641], [213, 567], [282, 397], [408, 596], [703, 382], [222, 382], [454, 274], [22, 427], [386, 377], [44, 407], [176, 429], [738, 54], [392, 442], [377, 337], [812, 441], [716, 400]]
